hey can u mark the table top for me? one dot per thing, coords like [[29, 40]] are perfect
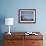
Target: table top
[[22, 35]]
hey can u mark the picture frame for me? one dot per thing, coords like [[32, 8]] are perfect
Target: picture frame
[[27, 16]]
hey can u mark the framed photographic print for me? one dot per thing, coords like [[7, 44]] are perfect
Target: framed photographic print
[[27, 16]]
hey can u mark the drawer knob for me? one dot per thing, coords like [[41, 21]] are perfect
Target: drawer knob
[[33, 42]]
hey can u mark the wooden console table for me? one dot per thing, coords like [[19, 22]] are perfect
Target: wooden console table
[[20, 39]]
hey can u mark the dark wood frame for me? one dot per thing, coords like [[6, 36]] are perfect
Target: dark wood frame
[[33, 11]]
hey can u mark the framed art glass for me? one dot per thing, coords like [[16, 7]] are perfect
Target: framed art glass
[[27, 16]]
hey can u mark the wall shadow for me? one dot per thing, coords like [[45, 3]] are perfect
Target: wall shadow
[[2, 21]]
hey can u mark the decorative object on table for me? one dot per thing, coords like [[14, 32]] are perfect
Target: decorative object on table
[[9, 21], [30, 33], [27, 16]]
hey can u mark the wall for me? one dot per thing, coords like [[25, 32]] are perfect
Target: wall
[[9, 8]]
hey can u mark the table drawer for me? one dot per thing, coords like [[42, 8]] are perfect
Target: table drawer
[[34, 37], [16, 37], [13, 43], [33, 43], [9, 43]]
